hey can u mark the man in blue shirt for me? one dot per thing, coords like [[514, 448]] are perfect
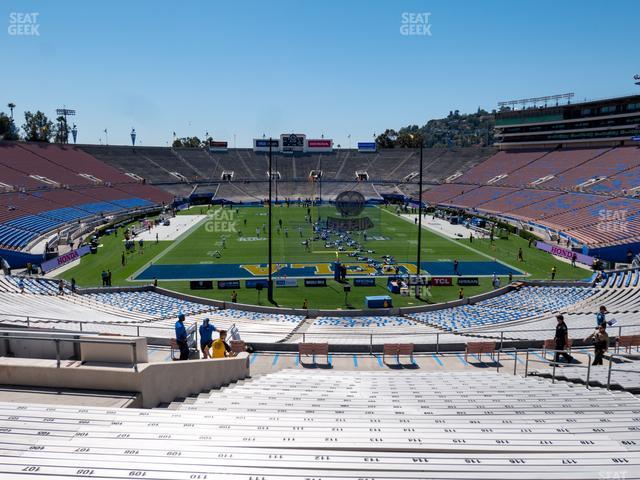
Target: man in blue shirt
[[206, 332], [601, 317], [181, 338]]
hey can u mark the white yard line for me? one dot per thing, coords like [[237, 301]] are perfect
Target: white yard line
[[175, 243], [410, 218]]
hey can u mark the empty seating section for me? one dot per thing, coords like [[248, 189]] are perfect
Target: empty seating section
[[78, 161], [620, 293], [556, 205], [518, 199], [358, 330], [257, 326], [608, 163], [16, 157], [552, 164], [75, 186], [574, 191], [610, 221], [150, 303], [441, 194], [198, 165], [478, 196], [297, 424], [502, 163], [527, 303]]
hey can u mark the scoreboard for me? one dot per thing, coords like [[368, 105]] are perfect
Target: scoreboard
[[292, 142]]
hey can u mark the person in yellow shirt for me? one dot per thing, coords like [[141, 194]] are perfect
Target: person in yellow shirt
[[220, 347]]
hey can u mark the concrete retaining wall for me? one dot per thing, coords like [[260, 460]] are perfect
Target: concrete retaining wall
[[156, 382]]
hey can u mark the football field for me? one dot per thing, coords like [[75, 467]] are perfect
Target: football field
[[231, 243]]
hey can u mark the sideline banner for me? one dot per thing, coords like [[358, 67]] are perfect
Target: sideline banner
[[565, 253], [55, 263]]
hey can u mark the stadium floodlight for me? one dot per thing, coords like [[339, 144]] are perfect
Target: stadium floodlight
[[74, 133], [133, 137], [65, 112], [533, 100], [636, 77]]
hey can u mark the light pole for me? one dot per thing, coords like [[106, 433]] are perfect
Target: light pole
[[11, 106], [418, 253], [270, 282]]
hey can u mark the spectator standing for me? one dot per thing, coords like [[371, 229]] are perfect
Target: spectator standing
[[574, 257], [60, 287], [601, 317], [456, 264], [553, 272], [73, 285], [562, 340], [104, 278], [220, 348], [305, 304], [123, 260], [206, 337], [461, 293], [600, 343], [21, 285], [234, 297], [520, 255], [108, 278], [181, 337]]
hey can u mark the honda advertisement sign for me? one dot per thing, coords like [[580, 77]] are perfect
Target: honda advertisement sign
[[65, 259], [321, 145]]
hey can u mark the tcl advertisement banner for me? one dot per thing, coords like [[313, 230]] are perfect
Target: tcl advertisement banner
[[62, 260], [441, 281], [319, 145]]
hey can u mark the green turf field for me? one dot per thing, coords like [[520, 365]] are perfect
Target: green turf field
[[238, 234]]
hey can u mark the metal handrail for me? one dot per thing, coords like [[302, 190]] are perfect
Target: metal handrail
[[504, 334], [11, 335], [610, 358]]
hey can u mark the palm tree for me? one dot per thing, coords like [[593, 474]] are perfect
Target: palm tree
[[11, 106]]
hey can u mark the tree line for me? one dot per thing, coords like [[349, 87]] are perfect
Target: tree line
[[37, 127]]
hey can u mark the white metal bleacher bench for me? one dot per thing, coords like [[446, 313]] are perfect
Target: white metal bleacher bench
[[313, 349], [397, 349], [479, 348]]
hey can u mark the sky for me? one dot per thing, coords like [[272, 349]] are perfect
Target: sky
[[345, 69]]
